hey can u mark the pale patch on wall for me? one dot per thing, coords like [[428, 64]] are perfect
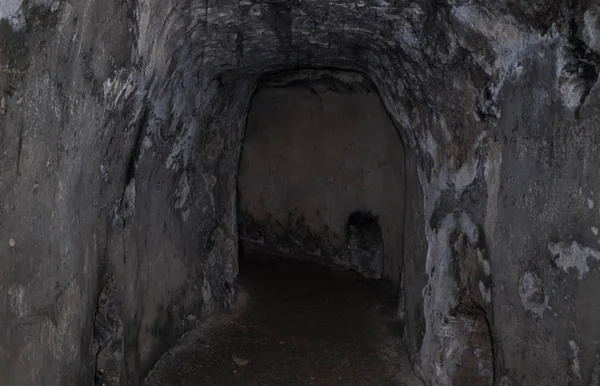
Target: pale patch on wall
[[492, 180], [10, 8], [12, 11], [468, 227], [16, 295], [570, 91], [575, 365], [485, 292], [573, 256], [431, 146], [591, 30], [147, 143], [128, 203], [118, 88], [532, 294], [485, 264], [183, 189]]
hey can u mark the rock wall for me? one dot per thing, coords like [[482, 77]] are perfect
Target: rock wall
[[546, 216], [122, 125], [315, 151], [54, 137]]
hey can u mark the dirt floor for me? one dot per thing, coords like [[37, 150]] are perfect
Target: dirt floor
[[302, 325]]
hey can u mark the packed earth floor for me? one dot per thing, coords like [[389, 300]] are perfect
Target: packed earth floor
[[295, 323]]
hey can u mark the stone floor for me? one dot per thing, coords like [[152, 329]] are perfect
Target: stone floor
[[301, 324]]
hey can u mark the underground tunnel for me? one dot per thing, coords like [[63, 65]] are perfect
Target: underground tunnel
[[133, 162], [320, 180], [321, 174]]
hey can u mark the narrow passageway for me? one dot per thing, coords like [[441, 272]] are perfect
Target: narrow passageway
[[302, 324], [320, 185], [322, 169]]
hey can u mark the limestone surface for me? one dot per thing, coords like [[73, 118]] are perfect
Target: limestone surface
[[121, 124]]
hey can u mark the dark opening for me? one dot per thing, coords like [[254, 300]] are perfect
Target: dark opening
[[322, 174], [320, 209], [321, 188]]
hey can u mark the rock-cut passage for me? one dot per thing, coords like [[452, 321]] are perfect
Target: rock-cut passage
[[303, 324], [321, 174]]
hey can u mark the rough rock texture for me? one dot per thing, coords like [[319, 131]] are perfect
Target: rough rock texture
[[318, 146], [108, 335], [365, 244], [121, 127]]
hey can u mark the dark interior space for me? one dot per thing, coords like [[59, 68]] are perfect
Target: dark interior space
[[440, 156], [322, 174], [320, 218]]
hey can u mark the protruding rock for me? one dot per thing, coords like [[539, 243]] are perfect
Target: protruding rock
[[532, 293], [591, 28], [365, 244]]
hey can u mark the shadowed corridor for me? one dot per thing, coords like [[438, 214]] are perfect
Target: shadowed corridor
[[295, 323]]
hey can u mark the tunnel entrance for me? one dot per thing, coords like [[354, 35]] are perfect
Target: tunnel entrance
[[321, 175], [321, 200], [320, 208]]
